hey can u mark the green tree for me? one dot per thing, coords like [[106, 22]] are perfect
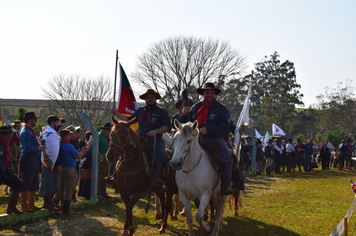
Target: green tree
[[20, 113], [338, 106], [276, 89]]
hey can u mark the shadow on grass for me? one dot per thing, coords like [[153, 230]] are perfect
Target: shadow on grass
[[246, 227]]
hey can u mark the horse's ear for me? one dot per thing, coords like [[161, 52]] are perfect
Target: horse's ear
[[130, 122], [177, 124], [114, 121], [194, 126]]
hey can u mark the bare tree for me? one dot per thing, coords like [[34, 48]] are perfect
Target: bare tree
[[179, 63], [73, 95], [339, 108]]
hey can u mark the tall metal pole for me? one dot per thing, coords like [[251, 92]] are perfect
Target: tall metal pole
[[95, 154], [117, 59]]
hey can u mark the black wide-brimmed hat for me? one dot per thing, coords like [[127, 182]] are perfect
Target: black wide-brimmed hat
[[270, 141], [107, 126], [64, 132], [208, 86], [150, 91], [6, 129], [29, 115], [179, 103]]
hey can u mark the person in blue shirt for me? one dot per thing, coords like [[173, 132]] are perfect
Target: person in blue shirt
[[308, 154], [67, 177], [213, 122], [153, 121], [30, 156], [7, 175]]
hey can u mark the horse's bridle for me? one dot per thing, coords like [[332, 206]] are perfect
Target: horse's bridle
[[188, 151], [122, 147]]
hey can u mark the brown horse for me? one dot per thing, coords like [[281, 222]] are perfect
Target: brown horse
[[132, 175]]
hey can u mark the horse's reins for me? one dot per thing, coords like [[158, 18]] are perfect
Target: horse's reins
[[201, 155], [123, 149]]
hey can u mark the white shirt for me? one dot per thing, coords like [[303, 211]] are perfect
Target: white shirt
[[290, 148]]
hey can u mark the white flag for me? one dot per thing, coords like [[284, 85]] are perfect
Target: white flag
[[265, 141], [243, 119], [277, 131], [259, 136]]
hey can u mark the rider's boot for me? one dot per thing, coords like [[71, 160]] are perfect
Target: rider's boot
[[226, 171], [158, 175]]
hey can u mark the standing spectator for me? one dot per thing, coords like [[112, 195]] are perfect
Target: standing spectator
[[336, 158], [269, 156], [278, 151], [76, 145], [245, 153], [85, 171], [331, 159], [284, 154], [7, 175], [308, 154], [345, 154], [290, 153], [14, 148], [29, 162], [324, 155], [301, 156], [259, 157], [67, 174], [104, 140], [50, 162]]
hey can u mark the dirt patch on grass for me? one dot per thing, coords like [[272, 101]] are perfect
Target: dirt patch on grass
[[78, 224]]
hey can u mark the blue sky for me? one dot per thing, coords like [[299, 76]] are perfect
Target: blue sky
[[42, 39]]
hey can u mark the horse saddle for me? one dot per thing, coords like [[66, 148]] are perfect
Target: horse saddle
[[210, 147]]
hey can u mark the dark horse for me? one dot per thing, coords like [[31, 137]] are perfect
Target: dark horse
[[132, 175]]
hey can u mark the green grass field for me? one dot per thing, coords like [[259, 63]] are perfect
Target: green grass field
[[288, 204]]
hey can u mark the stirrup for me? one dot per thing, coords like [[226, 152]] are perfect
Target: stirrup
[[158, 183]]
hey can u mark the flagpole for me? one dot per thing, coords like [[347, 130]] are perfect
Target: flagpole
[[117, 59]]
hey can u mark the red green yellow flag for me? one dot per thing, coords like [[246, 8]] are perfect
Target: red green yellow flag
[[0, 118], [126, 102]]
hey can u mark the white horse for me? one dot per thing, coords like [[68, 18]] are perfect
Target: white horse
[[196, 177]]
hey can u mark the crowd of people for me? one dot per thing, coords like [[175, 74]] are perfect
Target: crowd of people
[[64, 159], [50, 163], [284, 155]]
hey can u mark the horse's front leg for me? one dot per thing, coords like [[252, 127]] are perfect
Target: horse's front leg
[[199, 217], [188, 213], [129, 207], [126, 199], [219, 214], [176, 201], [158, 208]]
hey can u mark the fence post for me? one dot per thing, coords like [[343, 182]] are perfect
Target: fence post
[[345, 226], [95, 154]]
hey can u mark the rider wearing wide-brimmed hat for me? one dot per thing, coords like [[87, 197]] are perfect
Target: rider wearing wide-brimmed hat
[[179, 105], [153, 121], [214, 122]]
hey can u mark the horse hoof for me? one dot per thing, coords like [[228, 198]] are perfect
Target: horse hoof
[[174, 217], [162, 230], [206, 229], [182, 213], [236, 214], [212, 219], [158, 216]]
